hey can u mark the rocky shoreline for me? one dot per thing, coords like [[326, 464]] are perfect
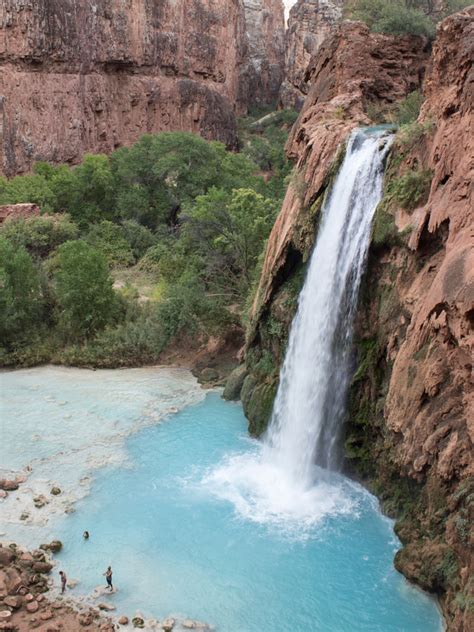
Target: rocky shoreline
[[28, 600]]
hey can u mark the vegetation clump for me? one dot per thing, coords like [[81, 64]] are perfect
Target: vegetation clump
[[133, 249]]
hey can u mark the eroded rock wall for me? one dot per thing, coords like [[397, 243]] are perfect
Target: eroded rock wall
[[309, 23], [86, 76], [264, 68]]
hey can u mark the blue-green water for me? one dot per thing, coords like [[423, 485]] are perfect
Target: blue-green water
[[178, 545]]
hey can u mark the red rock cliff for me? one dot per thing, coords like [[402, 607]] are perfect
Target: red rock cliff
[[309, 23], [80, 76]]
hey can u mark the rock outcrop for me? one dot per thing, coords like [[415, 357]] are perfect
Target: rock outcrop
[[265, 54], [412, 405], [80, 76], [309, 24]]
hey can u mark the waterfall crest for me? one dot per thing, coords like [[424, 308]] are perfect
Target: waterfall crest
[[291, 478]]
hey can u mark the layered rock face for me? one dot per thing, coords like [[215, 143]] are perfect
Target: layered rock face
[[265, 55], [412, 406], [309, 23], [80, 76]]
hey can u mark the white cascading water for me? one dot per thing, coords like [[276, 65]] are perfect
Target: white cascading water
[[288, 477]]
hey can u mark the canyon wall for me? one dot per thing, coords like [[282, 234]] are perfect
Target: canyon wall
[[79, 76], [265, 56], [309, 23], [409, 431]]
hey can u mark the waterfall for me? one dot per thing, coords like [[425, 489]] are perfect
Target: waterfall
[[291, 479], [310, 402]]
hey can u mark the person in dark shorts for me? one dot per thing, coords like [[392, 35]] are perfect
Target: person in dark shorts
[[108, 577], [63, 581], [85, 535]]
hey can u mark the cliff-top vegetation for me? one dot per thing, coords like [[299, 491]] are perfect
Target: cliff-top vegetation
[[403, 17]]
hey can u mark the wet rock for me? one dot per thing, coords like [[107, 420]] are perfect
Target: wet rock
[[55, 546], [24, 516], [55, 491], [234, 384], [168, 624], [13, 601], [138, 622], [6, 556], [208, 375], [85, 619], [9, 485], [123, 620], [26, 560], [40, 501], [32, 607], [107, 607], [42, 567]]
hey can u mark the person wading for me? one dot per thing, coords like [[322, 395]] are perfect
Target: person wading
[[108, 577], [63, 581]]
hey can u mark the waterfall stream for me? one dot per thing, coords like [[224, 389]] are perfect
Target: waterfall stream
[[292, 478], [310, 402]]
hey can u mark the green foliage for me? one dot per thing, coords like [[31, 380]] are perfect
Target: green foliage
[[411, 189], [397, 17], [408, 110], [108, 238], [139, 238], [20, 293], [31, 188], [228, 230], [160, 173], [453, 6], [83, 288], [411, 134], [39, 235]]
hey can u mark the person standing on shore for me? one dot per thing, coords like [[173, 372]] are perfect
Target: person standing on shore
[[63, 581], [108, 577]]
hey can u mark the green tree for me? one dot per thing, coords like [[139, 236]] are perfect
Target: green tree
[[159, 174], [139, 238], [87, 192], [83, 289], [229, 231], [397, 17], [20, 293], [28, 189]]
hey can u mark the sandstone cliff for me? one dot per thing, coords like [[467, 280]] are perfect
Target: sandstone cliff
[[265, 54], [80, 76], [309, 23], [409, 432]]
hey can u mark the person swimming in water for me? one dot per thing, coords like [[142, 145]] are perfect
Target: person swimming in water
[[85, 535], [108, 577]]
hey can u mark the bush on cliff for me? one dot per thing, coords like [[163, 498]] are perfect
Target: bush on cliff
[[39, 235], [397, 17]]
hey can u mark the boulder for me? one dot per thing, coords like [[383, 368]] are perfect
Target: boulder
[[9, 485], [138, 622], [234, 383], [123, 620], [32, 607], [55, 491], [55, 546], [6, 556], [40, 501], [46, 615], [85, 619], [42, 567], [107, 607], [168, 624], [208, 375], [13, 601]]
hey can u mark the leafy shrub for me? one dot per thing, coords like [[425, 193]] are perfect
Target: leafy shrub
[[139, 238], [411, 189], [397, 17], [39, 235], [32, 188], [408, 110], [109, 239]]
